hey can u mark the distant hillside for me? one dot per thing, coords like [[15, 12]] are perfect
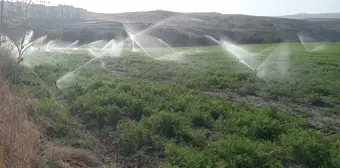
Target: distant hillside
[[185, 28], [177, 29], [314, 16]]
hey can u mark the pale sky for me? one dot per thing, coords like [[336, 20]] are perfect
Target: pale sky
[[250, 7]]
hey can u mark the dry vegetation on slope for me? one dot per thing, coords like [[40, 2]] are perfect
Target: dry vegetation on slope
[[19, 137], [24, 132]]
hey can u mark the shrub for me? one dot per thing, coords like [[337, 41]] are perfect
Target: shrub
[[73, 91], [229, 151], [200, 119], [239, 151], [266, 129], [127, 135], [37, 91], [197, 138], [54, 118], [310, 148], [110, 104], [178, 156], [53, 109], [134, 136], [166, 124], [260, 124], [9, 69]]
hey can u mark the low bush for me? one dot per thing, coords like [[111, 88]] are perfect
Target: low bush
[[312, 149]]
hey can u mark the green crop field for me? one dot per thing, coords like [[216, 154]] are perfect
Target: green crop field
[[203, 108]]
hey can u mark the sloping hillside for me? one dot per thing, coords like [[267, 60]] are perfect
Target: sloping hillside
[[185, 29], [314, 15], [181, 29]]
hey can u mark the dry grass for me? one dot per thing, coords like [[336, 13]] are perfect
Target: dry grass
[[19, 138], [67, 157], [21, 142]]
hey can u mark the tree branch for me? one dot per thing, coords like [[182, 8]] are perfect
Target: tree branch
[[28, 4], [26, 47]]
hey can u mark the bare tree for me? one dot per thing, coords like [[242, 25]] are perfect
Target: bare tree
[[19, 14], [18, 19], [22, 45], [2, 15], [1, 21]]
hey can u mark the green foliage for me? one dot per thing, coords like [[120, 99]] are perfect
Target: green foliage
[[47, 73], [59, 124], [53, 109], [110, 104], [239, 151], [229, 151], [252, 136], [311, 148], [178, 156], [73, 92], [205, 112], [134, 136], [166, 124]]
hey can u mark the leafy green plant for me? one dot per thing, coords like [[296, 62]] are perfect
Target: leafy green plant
[[311, 148], [210, 111]]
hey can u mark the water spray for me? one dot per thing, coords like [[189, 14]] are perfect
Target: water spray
[[309, 43], [235, 51], [132, 37], [80, 67], [74, 44], [166, 44], [214, 40]]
